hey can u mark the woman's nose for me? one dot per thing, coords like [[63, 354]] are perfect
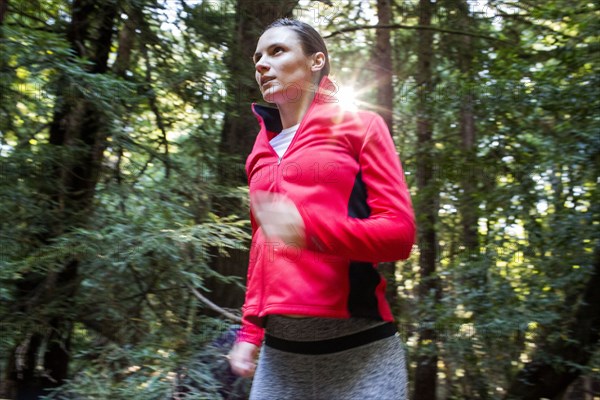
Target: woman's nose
[[261, 66]]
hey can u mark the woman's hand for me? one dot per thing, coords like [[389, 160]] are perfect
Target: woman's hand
[[279, 217], [242, 359]]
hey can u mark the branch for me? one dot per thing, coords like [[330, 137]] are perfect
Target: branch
[[5, 9], [213, 306], [416, 27], [155, 110], [150, 291], [140, 285], [104, 327], [31, 28]]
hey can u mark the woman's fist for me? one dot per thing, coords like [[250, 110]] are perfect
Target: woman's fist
[[278, 217], [242, 359]]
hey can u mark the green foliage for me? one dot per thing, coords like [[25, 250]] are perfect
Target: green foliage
[[137, 329], [149, 370]]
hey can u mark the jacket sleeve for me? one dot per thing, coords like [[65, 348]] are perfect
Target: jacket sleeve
[[250, 332], [388, 234]]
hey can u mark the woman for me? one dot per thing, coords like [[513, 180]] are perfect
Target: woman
[[328, 202]]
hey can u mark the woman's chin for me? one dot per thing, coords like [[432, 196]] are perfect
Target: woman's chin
[[273, 97], [280, 97], [268, 99], [268, 95]]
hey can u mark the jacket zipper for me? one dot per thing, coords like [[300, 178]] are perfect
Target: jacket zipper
[[279, 159]]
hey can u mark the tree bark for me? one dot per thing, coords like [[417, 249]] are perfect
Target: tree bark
[[382, 60], [426, 212], [126, 43], [468, 133], [3, 10], [239, 132], [240, 127], [383, 71], [477, 277]]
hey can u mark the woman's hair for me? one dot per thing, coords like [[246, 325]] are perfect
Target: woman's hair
[[311, 41]]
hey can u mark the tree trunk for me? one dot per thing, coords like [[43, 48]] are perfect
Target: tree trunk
[[426, 212], [79, 128], [477, 276], [383, 71], [3, 9], [239, 132], [468, 133], [382, 61], [240, 127]]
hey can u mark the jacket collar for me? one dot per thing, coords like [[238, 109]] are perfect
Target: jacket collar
[[269, 118]]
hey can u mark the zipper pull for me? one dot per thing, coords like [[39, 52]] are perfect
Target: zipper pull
[[279, 160]]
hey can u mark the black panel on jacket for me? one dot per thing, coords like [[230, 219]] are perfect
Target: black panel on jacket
[[270, 116], [364, 278], [357, 205]]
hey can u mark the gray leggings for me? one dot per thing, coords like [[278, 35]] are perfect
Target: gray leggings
[[376, 370]]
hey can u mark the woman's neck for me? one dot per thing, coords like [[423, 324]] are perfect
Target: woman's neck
[[292, 113]]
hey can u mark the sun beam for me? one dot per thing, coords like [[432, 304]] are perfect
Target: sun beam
[[348, 98]]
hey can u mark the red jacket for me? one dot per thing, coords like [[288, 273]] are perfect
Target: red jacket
[[344, 175]]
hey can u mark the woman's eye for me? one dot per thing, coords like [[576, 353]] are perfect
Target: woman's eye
[[277, 50]]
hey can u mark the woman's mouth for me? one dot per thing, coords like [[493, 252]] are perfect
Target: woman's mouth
[[266, 79]]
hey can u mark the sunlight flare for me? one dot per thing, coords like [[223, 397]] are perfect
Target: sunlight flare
[[348, 98]]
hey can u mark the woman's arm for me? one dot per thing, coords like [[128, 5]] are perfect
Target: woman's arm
[[249, 332], [388, 233]]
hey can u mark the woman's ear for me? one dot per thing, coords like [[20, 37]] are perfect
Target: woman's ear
[[318, 61]]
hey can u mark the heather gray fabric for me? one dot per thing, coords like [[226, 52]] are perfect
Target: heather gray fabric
[[373, 371]]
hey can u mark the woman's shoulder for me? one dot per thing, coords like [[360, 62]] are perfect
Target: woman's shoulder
[[363, 123]]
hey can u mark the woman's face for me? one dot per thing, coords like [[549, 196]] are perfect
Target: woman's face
[[283, 71]]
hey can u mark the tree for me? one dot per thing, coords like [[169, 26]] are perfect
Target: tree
[[252, 18], [239, 130], [426, 205], [78, 127], [383, 76]]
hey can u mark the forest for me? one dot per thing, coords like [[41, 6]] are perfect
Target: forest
[[124, 128]]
